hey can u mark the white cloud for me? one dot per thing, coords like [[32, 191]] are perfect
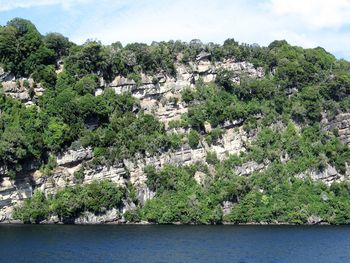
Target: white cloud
[[315, 14], [6, 5]]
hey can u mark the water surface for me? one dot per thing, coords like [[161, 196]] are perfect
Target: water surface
[[153, 243]]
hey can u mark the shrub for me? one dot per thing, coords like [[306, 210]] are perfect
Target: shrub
[[193, 139]]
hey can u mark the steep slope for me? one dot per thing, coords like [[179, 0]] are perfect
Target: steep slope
[[173, 132]]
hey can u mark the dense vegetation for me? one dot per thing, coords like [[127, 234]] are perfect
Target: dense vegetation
[[67, 204], [282, 112]]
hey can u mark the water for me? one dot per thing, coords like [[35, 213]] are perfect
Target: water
[[129, 243]]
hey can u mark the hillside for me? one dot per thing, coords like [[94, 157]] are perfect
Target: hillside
[[171, 132]]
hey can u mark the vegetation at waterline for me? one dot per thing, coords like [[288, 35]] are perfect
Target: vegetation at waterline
[[67, 204], [271, 196]]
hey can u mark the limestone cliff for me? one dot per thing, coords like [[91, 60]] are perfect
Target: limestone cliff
[[159, 95]]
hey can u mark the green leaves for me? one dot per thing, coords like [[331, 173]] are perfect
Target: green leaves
[[70, 202], [56, 133]]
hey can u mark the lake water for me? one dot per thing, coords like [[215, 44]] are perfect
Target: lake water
[[153, 243]]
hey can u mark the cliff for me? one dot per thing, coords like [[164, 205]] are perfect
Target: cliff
[[155, 98], [152, 97], [171, 132]]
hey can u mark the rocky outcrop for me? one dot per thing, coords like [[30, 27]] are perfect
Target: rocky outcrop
[[250, 167], [12, 193], [328, 175], [116, 173], [340, 125], [72, 157], [17, 92], [6, 76], [232, 141], [186, 76], [314, 220], [108, 216], [17, 89]]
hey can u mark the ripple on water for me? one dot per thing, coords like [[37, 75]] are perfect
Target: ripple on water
[[134, 243]]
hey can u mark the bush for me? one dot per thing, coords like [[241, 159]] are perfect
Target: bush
[[68, 203], [33, 210], [211, 158], [193, 139]]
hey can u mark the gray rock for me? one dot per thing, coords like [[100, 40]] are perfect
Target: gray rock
[[91, 218], [203, 55], [226, 207], [313, 220], [144, 194], [74, 156], [249, 167]]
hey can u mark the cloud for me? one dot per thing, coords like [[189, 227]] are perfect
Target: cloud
[[6, 5], [315, 14]]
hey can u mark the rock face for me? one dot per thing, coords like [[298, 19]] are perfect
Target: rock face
[[74, 156], [129, 170], [107, 217], [340, 124], [250, 167], [12, 193], [159, 95], [18, 90], [328, 175], [6, 76]]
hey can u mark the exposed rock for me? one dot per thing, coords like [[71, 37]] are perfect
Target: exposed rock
[[232, 142], [207, 127], [340, 125], [144, 194], [98, 92], [17, 90], [115, 173], [327, 175], [60, 178], [203, 55], [74, 156], [12, 193], [226, 207], [6, 76], [314, 220], [91, 218], [122, 81], [249, 167], [199, 177], [186, 75]]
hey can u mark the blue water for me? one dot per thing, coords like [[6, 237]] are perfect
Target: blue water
[[130, 243]]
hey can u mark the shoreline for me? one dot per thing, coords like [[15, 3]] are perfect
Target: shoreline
[[144, 223]]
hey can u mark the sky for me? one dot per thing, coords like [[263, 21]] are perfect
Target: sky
[[306, 23]]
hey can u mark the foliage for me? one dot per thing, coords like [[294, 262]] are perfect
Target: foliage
[[283, 113], [193, 138], [95, 197]]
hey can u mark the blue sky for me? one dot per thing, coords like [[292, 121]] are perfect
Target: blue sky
[[307, 23]]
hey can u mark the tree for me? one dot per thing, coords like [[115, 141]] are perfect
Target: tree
[[58, 43], [27, 41], [87, 84], [55, 134], [13, 149]]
